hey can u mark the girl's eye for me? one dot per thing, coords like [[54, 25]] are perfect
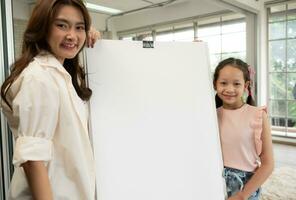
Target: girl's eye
[[237, 84], [223, 83], [80, 28]]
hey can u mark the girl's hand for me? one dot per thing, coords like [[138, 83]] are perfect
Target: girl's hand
[[93, 36], [237, 196]]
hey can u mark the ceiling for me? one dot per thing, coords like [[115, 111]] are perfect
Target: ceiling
[[123, 5], [126, 5]]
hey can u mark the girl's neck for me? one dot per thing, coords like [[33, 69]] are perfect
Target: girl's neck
[[233, 107]]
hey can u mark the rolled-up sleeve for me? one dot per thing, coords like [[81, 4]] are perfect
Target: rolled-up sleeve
[[36, 106]]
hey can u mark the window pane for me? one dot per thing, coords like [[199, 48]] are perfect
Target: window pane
[[278, 108], [292, 29], [143, 36], [277, 30], [206, 31], [277, 89], [215, 59], [277, 17], [277, 53], [292, 124], [240, 55], [292, 109], [128, 38], [233, 28], [278, 121], [214, 43], [165, 37], [187, 35], [291, 55], [147, 38], [291, 84], [234, 42]]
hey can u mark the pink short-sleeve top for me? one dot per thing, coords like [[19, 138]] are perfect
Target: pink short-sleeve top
[[240, 135]]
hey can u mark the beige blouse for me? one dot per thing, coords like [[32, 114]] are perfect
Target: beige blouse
[[49, 123]]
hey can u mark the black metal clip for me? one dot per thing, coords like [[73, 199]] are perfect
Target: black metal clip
[[148, 44]]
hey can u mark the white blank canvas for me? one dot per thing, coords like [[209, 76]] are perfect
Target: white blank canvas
[[153, 122]]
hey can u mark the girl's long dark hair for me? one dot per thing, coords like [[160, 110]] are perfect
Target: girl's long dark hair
[[35, 41], [241, 65]]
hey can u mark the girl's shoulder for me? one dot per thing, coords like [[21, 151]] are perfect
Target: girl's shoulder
[[257, 125], [256, 109]]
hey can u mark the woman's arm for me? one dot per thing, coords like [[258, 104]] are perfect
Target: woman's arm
[[267, 164], [38, 180]]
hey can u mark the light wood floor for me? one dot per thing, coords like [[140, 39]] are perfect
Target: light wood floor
[[284, 155]]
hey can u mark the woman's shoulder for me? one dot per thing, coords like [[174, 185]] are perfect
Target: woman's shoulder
[[39, 67], [33, 69], [34, 73]]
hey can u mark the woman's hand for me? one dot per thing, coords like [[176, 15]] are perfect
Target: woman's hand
[[93, 36]]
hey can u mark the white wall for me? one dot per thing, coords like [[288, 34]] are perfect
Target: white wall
[[165, 14], [98, 20], [21, 10]]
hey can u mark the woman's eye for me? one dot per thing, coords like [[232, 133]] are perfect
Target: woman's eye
[[63, 26]]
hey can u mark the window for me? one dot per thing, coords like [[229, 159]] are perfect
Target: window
[[282, 68], [184, 33], [138, 36], [225, 35]]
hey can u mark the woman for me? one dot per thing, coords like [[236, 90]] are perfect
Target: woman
[[44, 102]]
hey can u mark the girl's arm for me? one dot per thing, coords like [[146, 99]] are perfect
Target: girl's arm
[[38, 180], [267, 164]]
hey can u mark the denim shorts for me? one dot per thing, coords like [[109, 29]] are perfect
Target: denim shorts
[[236, 179]]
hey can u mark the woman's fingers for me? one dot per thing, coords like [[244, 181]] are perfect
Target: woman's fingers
[[93, 36]]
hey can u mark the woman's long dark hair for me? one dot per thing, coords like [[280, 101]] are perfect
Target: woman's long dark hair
[[239, 64], [35, 41]]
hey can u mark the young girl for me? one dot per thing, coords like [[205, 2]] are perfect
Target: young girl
[[244, 132], [43, 100]]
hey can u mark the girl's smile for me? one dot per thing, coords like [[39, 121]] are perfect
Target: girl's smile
[[230, 87]]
